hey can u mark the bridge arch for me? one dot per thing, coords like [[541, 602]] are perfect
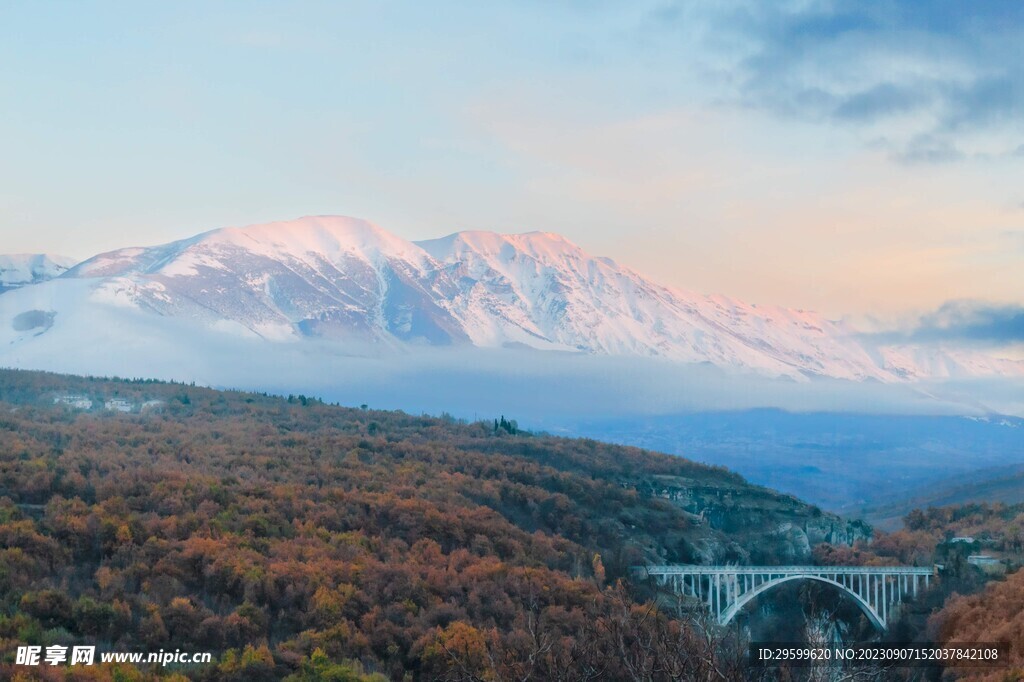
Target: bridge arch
[[749, 596]]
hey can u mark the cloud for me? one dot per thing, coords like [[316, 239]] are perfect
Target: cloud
[[966, 322], [937, 81], [881, 100], [928, 149]]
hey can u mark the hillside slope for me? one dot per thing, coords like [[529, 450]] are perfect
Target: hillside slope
[[154, 515]]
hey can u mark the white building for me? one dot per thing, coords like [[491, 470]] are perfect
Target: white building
[[78, 402], [119, 405]]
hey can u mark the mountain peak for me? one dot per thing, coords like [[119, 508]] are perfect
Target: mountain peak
[[324, 235], [336, 225], [306, 239]]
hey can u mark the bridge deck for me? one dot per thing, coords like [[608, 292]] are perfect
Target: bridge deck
[[788, 570]]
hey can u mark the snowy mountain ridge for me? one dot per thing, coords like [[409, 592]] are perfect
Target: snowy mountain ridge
[[348, 282], [20, 269]]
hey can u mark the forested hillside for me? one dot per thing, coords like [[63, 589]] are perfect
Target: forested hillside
[[293, 538], [969, 602], [995, 612]]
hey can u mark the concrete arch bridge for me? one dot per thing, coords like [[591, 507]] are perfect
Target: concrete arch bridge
[[725, 590]]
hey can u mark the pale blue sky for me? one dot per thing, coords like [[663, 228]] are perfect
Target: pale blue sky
[[861, 158]]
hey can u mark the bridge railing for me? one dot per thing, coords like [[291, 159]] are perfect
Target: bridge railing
[[785, 570]]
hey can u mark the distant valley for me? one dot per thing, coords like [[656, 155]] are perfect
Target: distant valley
[[877, 467]]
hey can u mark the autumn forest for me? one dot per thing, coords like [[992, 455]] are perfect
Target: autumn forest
[[303, 541]]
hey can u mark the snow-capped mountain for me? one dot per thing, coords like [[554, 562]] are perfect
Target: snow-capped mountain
[[349, 283], [17, 270], [313, 277]]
